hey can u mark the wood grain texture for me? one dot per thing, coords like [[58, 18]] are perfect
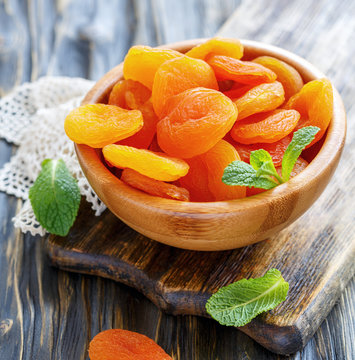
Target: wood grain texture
[[47, 313]]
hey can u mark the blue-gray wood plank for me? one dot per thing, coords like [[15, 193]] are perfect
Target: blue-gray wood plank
[[46, 313]]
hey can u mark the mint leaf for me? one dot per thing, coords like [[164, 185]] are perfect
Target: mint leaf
[[259, 157], [243, 174], [261, 161], [55, 197], [300, 140], [240, 302]]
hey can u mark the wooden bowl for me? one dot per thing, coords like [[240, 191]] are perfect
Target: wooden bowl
[[219, 225]]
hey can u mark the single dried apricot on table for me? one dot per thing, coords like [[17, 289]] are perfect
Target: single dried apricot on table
[[142, 62], [315, 104], [194, 121], [143, 138], [288, 76], [98, 125], [261, 98], [275, 149], [265, 127], [178, 75], [121, 344], [158, 166], [154, 187], [245, 72], [300, 165], [129, 94], [217, 46], [216, 160], [196, 180]]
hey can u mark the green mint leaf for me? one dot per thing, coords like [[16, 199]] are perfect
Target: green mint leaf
[[300, 140], [243, 174], [259, 157], [238, 303], [261, 161], [55, 197]]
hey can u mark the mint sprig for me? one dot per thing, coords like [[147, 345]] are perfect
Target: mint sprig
[[55, 197], [300, 140], [238, 303], [241, 173], [261, 173]]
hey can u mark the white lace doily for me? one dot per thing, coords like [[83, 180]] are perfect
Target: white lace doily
[[33, 117]]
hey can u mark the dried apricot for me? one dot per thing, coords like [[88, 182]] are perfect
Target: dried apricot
[[245, 72], [315, 104], [155, 165], [154, 187], [98, 125], [178, 75], [288, 76], [125, 345], [275, 149], [129, 94], [300, 165], [225, 85], [142, 62], [261, 98], [143, 138], [196, 180], [217, 46], [154, 146], [216, 160], [195, 120], [265, 127], [238, 90]]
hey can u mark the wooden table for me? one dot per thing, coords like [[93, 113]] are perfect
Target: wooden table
[[46, 313]]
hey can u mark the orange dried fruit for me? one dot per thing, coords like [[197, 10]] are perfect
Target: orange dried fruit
[[261, 98], [275, 149], [195, 120], [216, 160], [225, 85], [288, 76], [154, 187], [143, 138], [217, 46], [196, 180], [265, 127], [129, 94], [238, 90], [178, 75], [315, 104], [125, 345], [158, 166], [245, 72], [154, 146], [98, 125], [300, 165], [142, 62]]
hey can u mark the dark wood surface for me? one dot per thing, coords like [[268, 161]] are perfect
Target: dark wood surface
[[315, 255], [46, 313]]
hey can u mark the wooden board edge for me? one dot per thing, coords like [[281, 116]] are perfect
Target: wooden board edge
[[109, 267], [328, 296]]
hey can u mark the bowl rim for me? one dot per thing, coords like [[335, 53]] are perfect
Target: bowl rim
[[329, 153]]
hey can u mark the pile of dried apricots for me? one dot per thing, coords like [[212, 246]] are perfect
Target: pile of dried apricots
[[177, 120]]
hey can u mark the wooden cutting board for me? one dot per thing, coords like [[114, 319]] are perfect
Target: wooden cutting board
[[315, 255]]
